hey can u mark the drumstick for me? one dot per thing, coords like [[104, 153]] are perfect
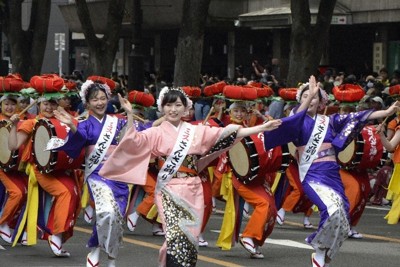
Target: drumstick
[[136, 117], [208, 115], [326, 109], [22, 112], [387, 117], [383, 123], [210, 112]]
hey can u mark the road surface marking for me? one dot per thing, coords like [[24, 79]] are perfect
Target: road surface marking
[[150, 245]]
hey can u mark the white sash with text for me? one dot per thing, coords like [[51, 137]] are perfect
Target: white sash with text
[[175, 159], [100, 149], [314, 143]]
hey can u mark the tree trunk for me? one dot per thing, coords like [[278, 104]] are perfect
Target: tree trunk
[[189, 52], [102, 51], [27, 46], [307, 42]]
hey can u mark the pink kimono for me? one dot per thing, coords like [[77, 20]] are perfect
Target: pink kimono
[[180, 202]]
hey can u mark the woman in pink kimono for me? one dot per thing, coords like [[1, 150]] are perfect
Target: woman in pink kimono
[[184, 150]]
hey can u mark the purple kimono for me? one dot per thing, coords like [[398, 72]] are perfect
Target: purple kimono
[[322, 183], [109, 196]]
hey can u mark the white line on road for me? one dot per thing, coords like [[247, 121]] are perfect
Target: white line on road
[[377, 208], [281, 242]]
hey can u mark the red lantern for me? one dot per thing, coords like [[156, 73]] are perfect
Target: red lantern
[[348, 93], [288, 94], [11, 83], [394, 90], [192, 91], [240, 92], [47, 83], [214, 89], [141, 98], [71, 85], [104, 80]]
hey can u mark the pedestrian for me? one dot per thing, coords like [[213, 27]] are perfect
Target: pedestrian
[[185, 150]]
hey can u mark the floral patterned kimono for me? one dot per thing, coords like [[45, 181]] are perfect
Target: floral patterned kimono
[[179, 199]]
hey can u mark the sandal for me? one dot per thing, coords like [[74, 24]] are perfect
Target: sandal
[[93, 258], [308, 226], [6, 237], [248, 245], [314, 262], [88, 216], [57, 250], [279, 219], [131, 226]]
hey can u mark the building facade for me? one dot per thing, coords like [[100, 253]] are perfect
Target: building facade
[[364, 35]]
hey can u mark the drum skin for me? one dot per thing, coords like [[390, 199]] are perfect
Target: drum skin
[[48, 161], [250, 162], [9, 160]]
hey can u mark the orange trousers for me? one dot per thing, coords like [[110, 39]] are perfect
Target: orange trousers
[[64, 211], [16, 185], [262, 220], [295, 200], [148, 201], [357, 188]]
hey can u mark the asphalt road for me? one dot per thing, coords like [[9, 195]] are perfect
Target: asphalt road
[[285, 247]]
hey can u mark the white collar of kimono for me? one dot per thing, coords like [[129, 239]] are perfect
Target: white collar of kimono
[[314, 143], [99, 120], [177, 128], [177, 155]]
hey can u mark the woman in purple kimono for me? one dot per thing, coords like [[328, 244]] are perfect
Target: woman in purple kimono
[[318, 142], [183, 150], [99, 135]]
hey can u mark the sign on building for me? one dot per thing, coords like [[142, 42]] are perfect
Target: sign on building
[[59, 41], [377, 57]]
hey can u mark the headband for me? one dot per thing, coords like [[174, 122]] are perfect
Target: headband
[[324, 96], [85, 88], [166, 90]]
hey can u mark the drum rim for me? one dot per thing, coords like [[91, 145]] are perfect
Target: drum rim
[[251, 175], [53, 155], [13, 155]]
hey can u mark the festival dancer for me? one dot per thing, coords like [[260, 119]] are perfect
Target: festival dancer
[[392, 145], [257, 194], [99, 135], [179, 195], [60, 184], [15, 182], [318, 140]]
